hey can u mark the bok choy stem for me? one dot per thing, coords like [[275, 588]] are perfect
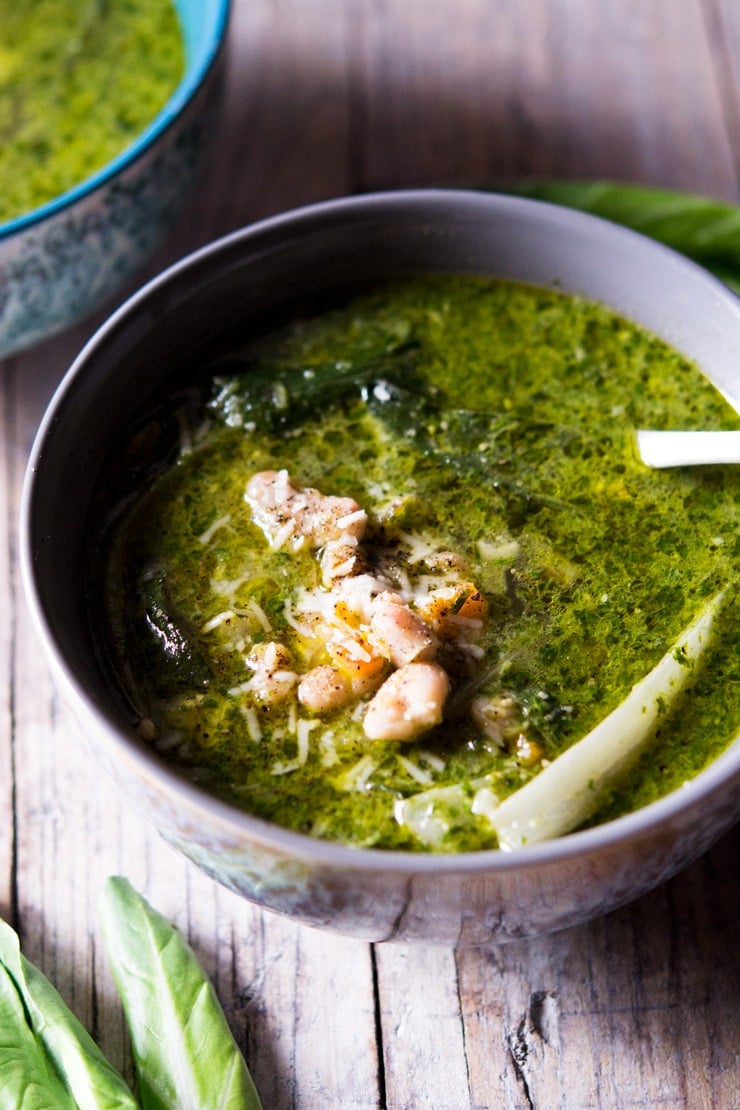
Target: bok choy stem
[[570, 788]]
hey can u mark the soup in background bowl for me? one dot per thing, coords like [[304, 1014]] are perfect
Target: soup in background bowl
[[443, 414], [97, 157]]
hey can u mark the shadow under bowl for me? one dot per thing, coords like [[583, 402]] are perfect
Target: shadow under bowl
[[466, 899]]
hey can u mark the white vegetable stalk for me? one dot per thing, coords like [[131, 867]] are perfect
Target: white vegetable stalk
[[568, 791]]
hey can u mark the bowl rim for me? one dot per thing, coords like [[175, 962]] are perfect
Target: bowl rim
[[239, 826], [169, 113]]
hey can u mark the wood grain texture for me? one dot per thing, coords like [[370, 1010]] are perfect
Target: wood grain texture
[[638, 1009], [8, 482]]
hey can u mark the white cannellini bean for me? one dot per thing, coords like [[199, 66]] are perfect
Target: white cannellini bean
[[409, 702], [324, 688], [401, 635]]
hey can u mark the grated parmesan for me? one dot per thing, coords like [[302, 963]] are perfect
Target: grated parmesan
[[186, 437], [218, 620], [242, 688], [303, 732], [329, 755], [282, 535], [253, 724], [355, 780], [302, 629], [207, 536], [504, 550], [424, 778], [285, 768], [420, 548], [434, 761], [465, 622], [227, 587], [252, 608], [484, 802], [349, 519]]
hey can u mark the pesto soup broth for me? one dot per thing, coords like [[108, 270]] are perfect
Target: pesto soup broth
[[402, 553], [79, 80]]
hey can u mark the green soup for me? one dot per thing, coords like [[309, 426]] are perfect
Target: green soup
[[487, 431], [79, 80]]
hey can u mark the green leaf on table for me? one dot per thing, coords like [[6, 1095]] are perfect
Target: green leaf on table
[[704, 229], [48, 1058], [185, 1054], [27, 1076]]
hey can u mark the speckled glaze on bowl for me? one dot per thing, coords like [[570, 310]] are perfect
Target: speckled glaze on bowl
[[59, 262], [468, 899]]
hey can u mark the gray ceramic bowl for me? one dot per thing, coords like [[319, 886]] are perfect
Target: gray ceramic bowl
[[453, 900], [60, 261]]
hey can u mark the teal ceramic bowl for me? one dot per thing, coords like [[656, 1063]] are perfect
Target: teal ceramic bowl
[[59, 262]]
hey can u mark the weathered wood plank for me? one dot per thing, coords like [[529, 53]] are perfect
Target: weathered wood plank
[[8, 589], [722, 18], [618, 89], [598, 1016], [284, 132], [421, 1029]]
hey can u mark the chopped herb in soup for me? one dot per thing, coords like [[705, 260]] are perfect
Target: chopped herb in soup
[[403, 554], [79, 80]]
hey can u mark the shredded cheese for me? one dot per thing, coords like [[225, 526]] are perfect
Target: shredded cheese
[[303, 732], [218, 620], [432, 760], [282, 535], [242, 688], [501, 551], [358, 776], [328, 747], [424, 778], [301, 629], [253, 724], [349, 519], [253, 609], [207, 536]]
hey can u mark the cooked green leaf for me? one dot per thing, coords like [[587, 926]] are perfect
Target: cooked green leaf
[[456, 440], [186, 1056], [48, 1058], [279, 397], [706, 230]]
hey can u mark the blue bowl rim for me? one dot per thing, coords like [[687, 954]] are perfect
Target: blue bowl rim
[[188, 86]]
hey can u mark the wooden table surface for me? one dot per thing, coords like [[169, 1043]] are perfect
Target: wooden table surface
[[638, 1009]]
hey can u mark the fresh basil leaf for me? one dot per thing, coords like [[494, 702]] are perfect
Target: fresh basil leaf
[[706, 230], [186, 1057], [48, 1057]]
